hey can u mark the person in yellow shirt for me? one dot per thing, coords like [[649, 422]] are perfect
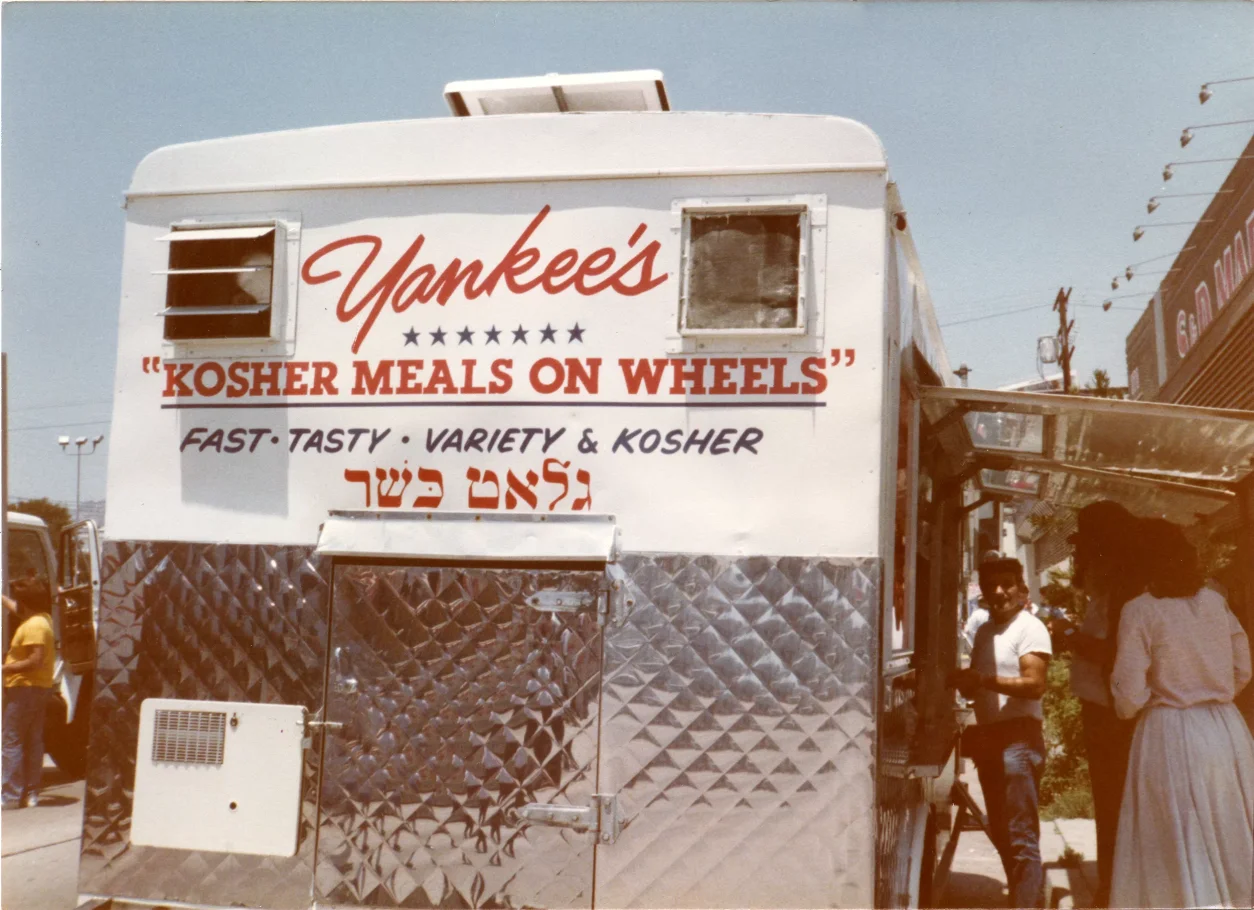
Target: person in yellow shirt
[[28, 679]]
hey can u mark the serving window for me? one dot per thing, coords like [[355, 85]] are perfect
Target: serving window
[[228, 283], [748, 269], [743, 271], [220, 283]]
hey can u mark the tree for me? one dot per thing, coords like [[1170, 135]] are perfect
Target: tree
[[1058, 592], [55, 515], [1100, 386]]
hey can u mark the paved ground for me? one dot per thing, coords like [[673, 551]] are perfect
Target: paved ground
[[39, 869], [976, 878], [40, 855]]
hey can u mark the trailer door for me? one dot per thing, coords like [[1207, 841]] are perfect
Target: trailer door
[[461, 722]]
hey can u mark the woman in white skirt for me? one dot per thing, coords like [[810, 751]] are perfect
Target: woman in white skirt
[[1186, 827]]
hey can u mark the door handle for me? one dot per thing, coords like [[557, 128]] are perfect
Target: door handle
[[344, 684]]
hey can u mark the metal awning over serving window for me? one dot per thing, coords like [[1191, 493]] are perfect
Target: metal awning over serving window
[[1174, 461]]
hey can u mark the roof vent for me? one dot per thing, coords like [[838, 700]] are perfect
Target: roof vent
[[633, 90]]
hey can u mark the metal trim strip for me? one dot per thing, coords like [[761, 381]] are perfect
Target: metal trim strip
[[538, 177], [467, 535]]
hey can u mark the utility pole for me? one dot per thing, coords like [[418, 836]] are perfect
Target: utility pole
[[1066, 348]]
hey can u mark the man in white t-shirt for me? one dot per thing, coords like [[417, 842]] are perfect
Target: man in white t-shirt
[[1006, 680]]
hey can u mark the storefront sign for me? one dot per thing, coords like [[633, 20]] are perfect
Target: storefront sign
[[1212, 274]]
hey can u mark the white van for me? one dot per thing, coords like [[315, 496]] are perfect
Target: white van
[[73, 575]]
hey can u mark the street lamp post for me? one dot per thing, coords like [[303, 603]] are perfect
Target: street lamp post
[[1139, 231], [1204, 94], [64, 443], [1187, 135], [1153, 200], [1169, 170]]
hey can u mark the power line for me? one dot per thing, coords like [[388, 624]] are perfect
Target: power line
[[49, 407], [1025, 309], [1009, 296], [54, 426], [965, 308]]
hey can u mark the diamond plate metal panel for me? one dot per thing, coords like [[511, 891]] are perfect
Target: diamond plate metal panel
[[198, 621], [896, 797], [460, 705], [738, 734]]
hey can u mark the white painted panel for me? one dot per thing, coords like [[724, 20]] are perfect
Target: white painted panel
[[210, 449], [249, 803]]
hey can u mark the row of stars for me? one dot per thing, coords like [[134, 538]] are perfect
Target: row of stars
[[465, 336]]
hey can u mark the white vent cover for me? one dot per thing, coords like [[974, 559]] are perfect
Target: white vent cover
[[191, 737], [632, 90], [221, 776]]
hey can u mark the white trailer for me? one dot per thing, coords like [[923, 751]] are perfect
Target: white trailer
[[534, 509]]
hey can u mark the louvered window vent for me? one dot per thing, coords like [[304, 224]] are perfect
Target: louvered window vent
[[189, 737]]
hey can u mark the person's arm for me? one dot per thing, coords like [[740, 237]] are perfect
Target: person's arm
[[1030, 683], [29, 662], [1129, 681]]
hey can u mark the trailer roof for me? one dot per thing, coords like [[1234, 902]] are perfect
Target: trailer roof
[[511, 148]]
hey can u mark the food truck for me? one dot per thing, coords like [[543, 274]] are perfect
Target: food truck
[[556, 504]]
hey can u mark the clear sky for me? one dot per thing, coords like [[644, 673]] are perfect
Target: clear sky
[[1025, 137]]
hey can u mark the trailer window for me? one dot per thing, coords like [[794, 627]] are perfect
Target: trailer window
[[220, 282], [744, 271]]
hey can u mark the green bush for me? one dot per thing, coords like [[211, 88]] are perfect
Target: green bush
[[1065, 791], [1074, 803]]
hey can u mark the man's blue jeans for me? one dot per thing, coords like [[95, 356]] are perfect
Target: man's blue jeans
[[23, 752], [1010, 765]]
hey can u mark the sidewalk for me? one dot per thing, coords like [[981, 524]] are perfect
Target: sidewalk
[[40, 847], [976, 878]]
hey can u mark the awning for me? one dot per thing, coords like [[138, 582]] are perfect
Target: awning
[[1181, 463], [469, 536]]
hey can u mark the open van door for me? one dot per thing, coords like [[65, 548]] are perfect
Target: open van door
[[79, 553]]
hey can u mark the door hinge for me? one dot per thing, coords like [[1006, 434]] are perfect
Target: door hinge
[[561, 601], [617, 603], [601, 818]]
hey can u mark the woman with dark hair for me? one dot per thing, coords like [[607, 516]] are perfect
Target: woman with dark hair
[[1186, 827]]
